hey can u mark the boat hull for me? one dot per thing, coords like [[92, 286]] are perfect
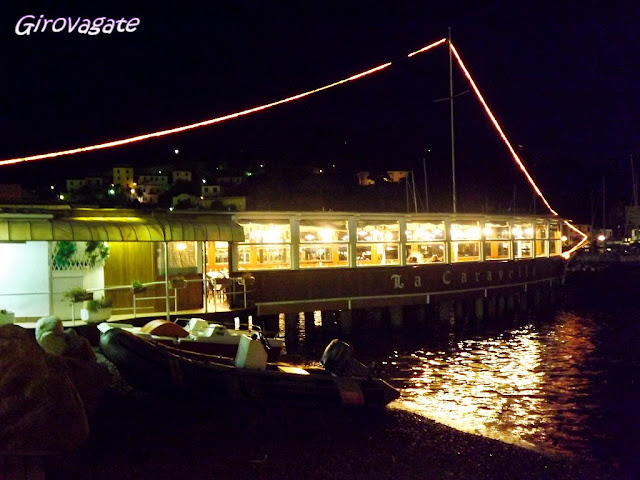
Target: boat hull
[[153, 367]]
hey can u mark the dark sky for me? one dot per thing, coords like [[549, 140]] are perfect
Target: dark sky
[[562, 78]]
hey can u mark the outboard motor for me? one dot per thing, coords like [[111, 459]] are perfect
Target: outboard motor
[[338, 359]]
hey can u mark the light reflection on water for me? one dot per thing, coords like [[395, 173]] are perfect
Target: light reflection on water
[[528, 386]]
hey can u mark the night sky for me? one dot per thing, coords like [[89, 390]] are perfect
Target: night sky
[[559, 76]]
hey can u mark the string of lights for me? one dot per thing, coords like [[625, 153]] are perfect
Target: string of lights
[[204, 123], [499, 129], [515, 156]]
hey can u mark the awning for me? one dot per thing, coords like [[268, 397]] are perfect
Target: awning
[[118, 229]]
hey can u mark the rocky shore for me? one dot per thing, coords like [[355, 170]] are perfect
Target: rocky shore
[[138, 436]]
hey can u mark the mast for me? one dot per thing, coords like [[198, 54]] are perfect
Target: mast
[[426, 191], [604, 221], [634, 182], [453, 154], [415, 200]]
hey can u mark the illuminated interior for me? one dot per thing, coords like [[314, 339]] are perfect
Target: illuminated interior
[[465, 241], [523, 236], [323, 243], [425, 242], [541, 239], [218, 259], [377, 243], [555, 239], [303, 241], [266, 245], [497, 244]]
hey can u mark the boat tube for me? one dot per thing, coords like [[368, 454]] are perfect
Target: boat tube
[[154, 367]]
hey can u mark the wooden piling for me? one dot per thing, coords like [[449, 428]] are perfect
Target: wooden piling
[[291, 331], [309, 325], [396, 318], [345, 321]]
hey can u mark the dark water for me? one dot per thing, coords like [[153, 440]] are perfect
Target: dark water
[[567, 380]]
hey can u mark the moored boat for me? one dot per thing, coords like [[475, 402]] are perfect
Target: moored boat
[[151, 366], [198, 336]]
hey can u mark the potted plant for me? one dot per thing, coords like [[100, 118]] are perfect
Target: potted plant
[[97, 310], [137, 286], [7, 317], [77, 294]]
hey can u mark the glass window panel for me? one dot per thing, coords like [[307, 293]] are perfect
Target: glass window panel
[[370, 231], [376, 243], [183, 258], [323, 243], [497, 250], [267, 232], [377, 254], [431, 252], [465, 251], [540, 248], [323, 231], [244, 254], [262, 257], [425, 232], [267, 245], [496, 230], [523, 249], [217, 256], [465, 231], [522, 230], [541, 230], [555, 244], [327, 255]]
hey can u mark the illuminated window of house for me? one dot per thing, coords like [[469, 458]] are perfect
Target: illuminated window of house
[[425, 242], [497, 243], [267, 245], [324, 243], [465, 241], [555, 239], [541, 241], [377, 243], [523, 239]]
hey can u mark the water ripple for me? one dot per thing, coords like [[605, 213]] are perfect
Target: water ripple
[[529, 385]]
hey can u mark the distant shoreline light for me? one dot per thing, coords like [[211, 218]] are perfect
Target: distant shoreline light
[[84, 26]]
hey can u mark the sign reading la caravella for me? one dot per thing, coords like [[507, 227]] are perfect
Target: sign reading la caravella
[[484, 276]]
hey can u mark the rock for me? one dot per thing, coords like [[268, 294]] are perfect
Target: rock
[[40, 408], [52, 337]]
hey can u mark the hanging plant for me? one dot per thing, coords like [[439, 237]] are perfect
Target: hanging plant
[[64, 253], [97, 253]]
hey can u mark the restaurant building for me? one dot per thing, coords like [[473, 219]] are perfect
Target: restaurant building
[[267, 262]]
